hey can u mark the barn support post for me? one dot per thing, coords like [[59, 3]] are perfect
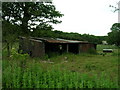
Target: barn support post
[[79, 49], [67, 48]]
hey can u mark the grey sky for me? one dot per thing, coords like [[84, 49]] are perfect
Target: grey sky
[[86, 16]]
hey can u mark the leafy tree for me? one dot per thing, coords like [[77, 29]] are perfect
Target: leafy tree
[[116, 26], [26, 14], [114, 35]]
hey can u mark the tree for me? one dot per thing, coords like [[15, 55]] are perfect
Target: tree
[[27, 14], [114, 35]]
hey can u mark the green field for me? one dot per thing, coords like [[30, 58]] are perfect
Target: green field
[[66, 71]]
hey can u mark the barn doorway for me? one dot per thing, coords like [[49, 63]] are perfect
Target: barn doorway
[[52, 49], [73, 48]]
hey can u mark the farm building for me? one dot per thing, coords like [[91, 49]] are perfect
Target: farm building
[[38, 47]]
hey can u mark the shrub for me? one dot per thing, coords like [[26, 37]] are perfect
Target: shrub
[[92, 51]]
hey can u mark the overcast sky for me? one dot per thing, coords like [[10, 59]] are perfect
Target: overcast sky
[[86, 16]]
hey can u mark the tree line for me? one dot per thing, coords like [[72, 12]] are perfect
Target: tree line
[[68, 35]]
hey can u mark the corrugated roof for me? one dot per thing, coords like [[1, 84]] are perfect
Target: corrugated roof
[[72, 41], [58, 40], [36, 40]]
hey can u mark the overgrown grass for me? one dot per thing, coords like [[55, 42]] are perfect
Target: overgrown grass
[[67, 71], [33, 76], [56, 79]]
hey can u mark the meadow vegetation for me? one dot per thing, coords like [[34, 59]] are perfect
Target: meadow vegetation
[[63, 71]]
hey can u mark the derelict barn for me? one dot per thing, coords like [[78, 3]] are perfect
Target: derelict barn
[[38, 47]]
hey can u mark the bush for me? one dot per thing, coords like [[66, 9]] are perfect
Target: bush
[[92, 51], [15, 55]]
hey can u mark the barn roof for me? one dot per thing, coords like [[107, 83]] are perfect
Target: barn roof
[[56, 40]]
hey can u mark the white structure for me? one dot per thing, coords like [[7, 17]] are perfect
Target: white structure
[[104, 42]]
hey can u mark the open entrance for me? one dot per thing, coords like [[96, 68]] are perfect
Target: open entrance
[[52, 49], [73, 48]]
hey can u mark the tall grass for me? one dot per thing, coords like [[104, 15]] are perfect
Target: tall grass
[[20, 71], [34, 76]]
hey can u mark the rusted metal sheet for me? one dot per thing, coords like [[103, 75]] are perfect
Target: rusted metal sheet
[[86, 47], [51, 40], [24, 45], [38, 49], [34, 48]]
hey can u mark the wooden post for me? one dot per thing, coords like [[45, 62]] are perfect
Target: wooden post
[[79, 48], [67, 48]]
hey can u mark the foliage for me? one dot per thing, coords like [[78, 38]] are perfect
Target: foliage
[[26, 14], [114, 35], [15, 55], [35, 77]]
